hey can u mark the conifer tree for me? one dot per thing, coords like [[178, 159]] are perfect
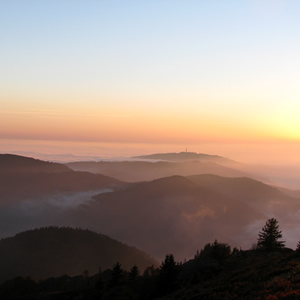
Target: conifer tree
[[134, 273], [268, 237], [169, 270], [117, 274]]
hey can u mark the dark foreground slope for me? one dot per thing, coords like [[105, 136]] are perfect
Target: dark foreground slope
[[243, 275], [214, 274], [53, 251]]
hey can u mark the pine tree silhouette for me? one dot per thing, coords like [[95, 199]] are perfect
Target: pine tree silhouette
[[268, 237]]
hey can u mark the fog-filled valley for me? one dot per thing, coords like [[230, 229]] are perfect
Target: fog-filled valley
[[160, 207], [76, 217]]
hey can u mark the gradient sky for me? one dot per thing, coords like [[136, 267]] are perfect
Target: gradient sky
[[159, 71]]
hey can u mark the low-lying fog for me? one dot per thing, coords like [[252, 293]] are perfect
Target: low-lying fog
[[60, 202], [170, 222], [177, 225], [45, 211]]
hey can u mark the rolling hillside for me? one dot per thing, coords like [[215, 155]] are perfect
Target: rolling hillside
[[263, 197], [168, 214], [134, 171], [23, 178], [16, 187]]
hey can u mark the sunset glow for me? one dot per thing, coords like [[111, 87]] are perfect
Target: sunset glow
[[150, 73]]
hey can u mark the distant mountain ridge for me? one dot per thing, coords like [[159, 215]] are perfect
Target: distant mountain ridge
[[183, 156], [26, 178], [17, 163], [133, 171], [54, 251]]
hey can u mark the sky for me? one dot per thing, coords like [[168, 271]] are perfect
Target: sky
[[160, 72]]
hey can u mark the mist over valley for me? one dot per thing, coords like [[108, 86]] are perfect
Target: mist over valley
[[159, 207], [58, 221]]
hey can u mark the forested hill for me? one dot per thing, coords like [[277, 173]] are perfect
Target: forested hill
[[53, 251], [17, 163]]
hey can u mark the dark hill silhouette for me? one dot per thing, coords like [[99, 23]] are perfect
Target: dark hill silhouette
[[134, 171], [16, 163], [15, 187], [53, 251], [168, 214]]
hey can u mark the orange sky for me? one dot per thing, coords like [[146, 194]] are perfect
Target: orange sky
[[125, 126], [162, 73]]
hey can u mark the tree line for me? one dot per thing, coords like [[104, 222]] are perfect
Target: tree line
[[170, 276]]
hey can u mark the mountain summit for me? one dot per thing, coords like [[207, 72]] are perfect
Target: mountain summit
[[183, 156]]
